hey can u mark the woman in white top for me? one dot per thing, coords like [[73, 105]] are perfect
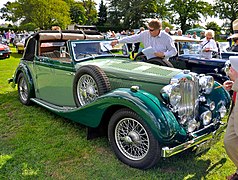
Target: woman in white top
[[208, 45]]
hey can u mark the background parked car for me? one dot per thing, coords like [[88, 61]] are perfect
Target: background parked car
[[4, 51], [19, 42]]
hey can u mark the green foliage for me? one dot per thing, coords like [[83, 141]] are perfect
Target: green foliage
[[102, 14], [227, 10], [28, 27], [77, 13], [189, 12], [214, 26], [130, 14], [91, 12], [41, 13]]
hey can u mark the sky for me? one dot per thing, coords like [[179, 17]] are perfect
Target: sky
[[218, 21]]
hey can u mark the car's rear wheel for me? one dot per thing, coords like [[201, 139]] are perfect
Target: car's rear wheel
[[89, 83], [24, 90], [132, 140]]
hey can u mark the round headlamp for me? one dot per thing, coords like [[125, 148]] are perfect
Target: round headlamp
[[206, 83], [206, 117]]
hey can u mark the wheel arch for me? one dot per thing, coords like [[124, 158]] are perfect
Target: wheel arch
[[22, 68]]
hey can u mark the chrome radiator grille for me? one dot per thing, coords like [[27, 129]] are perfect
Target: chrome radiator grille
[[189, 103]]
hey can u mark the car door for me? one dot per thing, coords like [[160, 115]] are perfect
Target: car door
[[54, 79]]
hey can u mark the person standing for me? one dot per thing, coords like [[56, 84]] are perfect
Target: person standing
[[208, 45], [234, 37], [160, 41], [231, 136]]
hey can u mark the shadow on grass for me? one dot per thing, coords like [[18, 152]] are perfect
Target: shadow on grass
[[16, 55], [187, 165]]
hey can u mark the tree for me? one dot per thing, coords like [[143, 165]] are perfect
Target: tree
[[78, 13], [189, 12], [91, 11], [132, 14], [102, 14], [227, 10], [214, 26], [42, 13]]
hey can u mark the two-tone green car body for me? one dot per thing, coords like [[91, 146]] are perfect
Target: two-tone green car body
[[147, 111]]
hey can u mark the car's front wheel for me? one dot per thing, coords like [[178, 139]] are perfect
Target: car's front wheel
[[132, 140], [24, 90]]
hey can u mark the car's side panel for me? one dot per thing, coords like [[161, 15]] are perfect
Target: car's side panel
[[54, 81]]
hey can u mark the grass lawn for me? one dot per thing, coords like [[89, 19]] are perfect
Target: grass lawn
[[36, 144]]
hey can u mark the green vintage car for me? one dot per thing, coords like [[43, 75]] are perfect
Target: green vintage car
[[147, 111]]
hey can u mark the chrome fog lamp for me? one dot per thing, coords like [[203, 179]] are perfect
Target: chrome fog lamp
[[192, 125], [222, 111], [206, 117], [206, 83]]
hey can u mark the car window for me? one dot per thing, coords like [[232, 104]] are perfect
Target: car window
[[189, 48], [85, 49]]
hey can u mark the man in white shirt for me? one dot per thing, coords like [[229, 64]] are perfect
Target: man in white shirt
[[208, 45], [154, 37]]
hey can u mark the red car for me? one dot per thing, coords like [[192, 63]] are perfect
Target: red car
[[4, 51]]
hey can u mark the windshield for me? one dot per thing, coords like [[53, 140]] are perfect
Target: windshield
[[86, 49], [189, 48]]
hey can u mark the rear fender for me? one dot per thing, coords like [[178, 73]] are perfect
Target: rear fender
[[22, 68]]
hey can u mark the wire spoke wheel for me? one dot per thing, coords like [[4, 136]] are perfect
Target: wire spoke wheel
[[90, 82], [87, 89], [132, 139], [23, 89], [25, 92]]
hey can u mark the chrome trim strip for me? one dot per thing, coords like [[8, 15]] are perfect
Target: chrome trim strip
[[167, 152]]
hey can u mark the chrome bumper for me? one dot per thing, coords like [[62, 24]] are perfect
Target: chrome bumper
[[209, 138]]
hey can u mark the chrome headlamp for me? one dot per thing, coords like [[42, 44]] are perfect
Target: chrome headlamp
[[206, 83], [171, 94]]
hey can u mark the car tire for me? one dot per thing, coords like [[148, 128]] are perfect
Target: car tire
[[90, 82], [24, 90], [126, 131]]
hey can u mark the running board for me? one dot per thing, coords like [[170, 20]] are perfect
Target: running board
[[52, 107]]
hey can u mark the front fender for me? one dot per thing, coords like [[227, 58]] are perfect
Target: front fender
[[161, 121]]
